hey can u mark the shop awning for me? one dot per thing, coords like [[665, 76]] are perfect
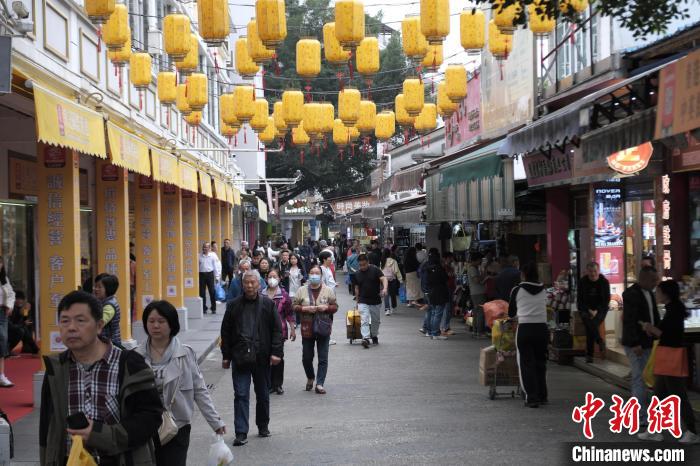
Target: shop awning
[[482, 163], [205, 184], [632, 131], [407, 217], [236, 195], [220, 189], [262, 210], [562, 124], [229, 194], [188, 177], [404, 180], [375, 211], [128, 150], [165, 167], [65, 123]]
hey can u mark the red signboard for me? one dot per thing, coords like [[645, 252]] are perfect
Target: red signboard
[[145, 182], [54, 157], [110, 172], [544, 170], [631, 160], [465, 124]]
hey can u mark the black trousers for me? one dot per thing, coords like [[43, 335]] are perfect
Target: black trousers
[[174, 453], [592, 324], [532, 341], [227, 276], [666, 385], [17, 333], [277, 375], [206, 280]]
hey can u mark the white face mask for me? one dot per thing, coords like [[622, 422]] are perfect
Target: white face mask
[[314, 279], [273, 282]]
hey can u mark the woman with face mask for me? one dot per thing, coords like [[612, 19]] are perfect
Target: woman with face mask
[[316, 303], [284, 307]]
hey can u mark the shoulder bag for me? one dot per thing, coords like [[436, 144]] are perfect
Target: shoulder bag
[[246, 356], [671, 361], [323, 323], [168, 428]]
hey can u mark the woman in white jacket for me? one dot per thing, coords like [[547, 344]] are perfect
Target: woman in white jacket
[[178, 379], [7, 302]]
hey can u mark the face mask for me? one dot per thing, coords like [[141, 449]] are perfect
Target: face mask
[[314, 279], [273, 282]]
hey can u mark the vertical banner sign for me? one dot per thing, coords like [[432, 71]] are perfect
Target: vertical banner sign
[[204, 224], [189, 244], [222, 220], [58, 236], [171, 211], [608, 224], [215, 223], [694, 206], [226, 220], [112, 199], [149, 283], [666, 225]]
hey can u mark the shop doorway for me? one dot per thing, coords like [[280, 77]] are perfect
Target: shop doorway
[[17, 245]]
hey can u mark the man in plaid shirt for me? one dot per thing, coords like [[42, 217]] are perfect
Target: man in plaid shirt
[[114, 388]]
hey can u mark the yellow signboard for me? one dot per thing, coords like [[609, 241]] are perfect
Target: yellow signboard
[[236, 196], [64, 123], [220, 189], [127, 150], [166, 168], [229, 194], [171, 243], [205, 184], [190, 246], [188, 177], [149, 284]]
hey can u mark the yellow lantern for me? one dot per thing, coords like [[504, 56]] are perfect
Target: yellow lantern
[[115, 31], [256, 49], [402, 116], [269, 133], [499, 44], [386, 125], [456, 83], [140, 70], [472, 28], [299, 136], [99, 11], [354, 133], [578, 6], [367, 120], [176, 36], [444, 105], [194, 118], [541, 24], [426, 121], [435, 20], [308, 57], [183, 105], [415, 45], [227, 131], [272, 22], [167, 88], [244, 102], [121, 57], [214, 23], [349, 105], [190, 62], [245, 66], [327, 117], [227, 109], [259, 120], [505, 17], [278, 115], [197, 94], [413, 96], [433, 59], [349, 22], [334, 53], [367, 58], [312, 119], [293, 104], [341, 133]]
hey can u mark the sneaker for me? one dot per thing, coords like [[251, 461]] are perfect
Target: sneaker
[[387, 312], [240, 440], [5, 382], [422, 330], [689, 437], [651, 437], [365, 343], [264, 432], [375, 340], [439, 337], [332, 342]]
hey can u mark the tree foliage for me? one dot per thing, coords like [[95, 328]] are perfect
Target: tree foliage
[[324, 170]]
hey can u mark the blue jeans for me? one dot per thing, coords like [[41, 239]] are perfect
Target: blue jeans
[[260, 376], [321, 344], [446, 315], [436, 313], [639, 389]]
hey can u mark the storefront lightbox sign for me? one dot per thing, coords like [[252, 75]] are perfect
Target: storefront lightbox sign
[[666, 224], [694, 205], [679, 92], [609, 232], [631, 160], [544, 170], [464, 126]]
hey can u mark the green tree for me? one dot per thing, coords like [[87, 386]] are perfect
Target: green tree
[[324, 170]]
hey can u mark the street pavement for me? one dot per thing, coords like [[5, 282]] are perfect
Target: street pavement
[[409, 400]]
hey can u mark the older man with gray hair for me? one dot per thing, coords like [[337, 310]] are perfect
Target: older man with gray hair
[[251, 342]]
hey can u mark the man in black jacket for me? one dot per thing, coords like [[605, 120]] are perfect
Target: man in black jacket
[[228, 261], [439, 294], [251, 339], [508, 278], [639, 307], [592, 302], [375, 254]]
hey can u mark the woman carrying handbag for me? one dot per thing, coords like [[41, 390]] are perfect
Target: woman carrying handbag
[[671, 363], [390, 269]]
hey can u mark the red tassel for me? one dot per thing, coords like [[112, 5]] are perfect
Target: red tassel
[[302, 156], [229, 140], [245, 137], [340, 153], [99, 39], [120, 80], [187, 86], [352, 150], [140, 100], [325, 141], [405, 136], [350, 69], [341, 84], [262, 78], [216, 64], [168, 116], [235, 140], [277, 65], [308, 90]]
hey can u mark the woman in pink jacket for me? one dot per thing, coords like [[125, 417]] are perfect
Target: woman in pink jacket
[[284, 307]]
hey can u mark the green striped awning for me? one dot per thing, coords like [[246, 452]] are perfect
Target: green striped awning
[[480, 164]]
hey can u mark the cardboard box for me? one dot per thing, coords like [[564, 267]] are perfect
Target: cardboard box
[[487, 357]]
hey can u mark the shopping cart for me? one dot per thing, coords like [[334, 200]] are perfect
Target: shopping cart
[[505, 370]]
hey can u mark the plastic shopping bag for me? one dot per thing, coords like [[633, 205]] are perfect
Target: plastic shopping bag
[[648, 374], [402, 294], [219, 292], [219, 453], [78, 455]]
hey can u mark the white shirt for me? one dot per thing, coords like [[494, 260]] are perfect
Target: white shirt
[[650, 304], [327, 278], [422, 256], [210, 263]]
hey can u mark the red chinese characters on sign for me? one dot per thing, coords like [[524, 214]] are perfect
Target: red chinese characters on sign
[[631, 160], [54, 157], [585, 414], [625, 415], [665, 415]]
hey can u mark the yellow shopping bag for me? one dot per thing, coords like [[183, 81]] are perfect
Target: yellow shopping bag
[[78, 455], [648, 374]]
